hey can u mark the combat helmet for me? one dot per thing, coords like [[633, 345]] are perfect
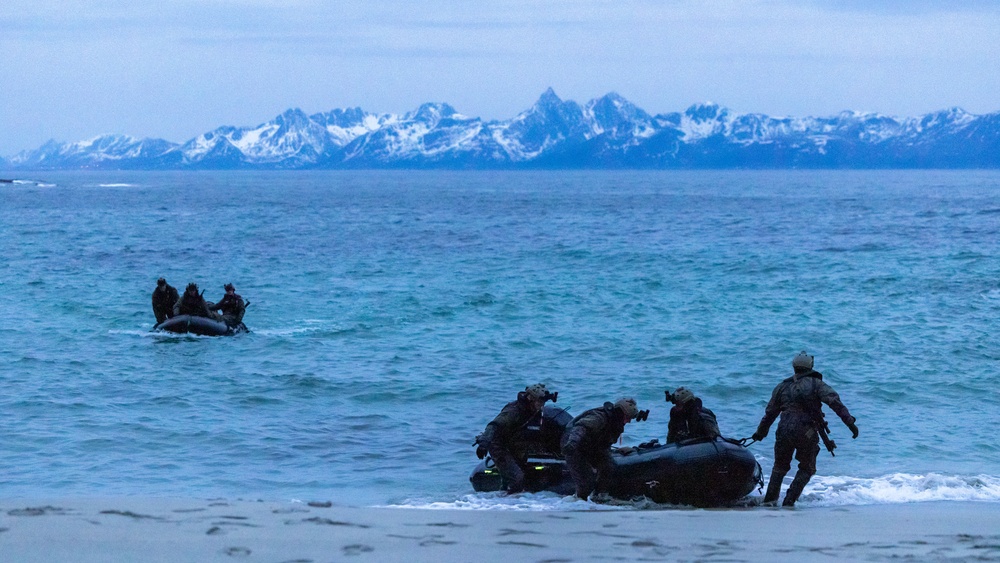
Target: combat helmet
[[682, 395], [802, 362], [536, 391], [539, 392], [628, 406]]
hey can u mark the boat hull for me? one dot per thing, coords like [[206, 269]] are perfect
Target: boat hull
[[201, 326], [707, 472]]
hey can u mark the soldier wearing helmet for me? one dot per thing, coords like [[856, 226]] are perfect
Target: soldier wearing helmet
[[799, 401], [164, 298], [231, 305], [192, 303], [501, 437], [688, 418], [587, 441]]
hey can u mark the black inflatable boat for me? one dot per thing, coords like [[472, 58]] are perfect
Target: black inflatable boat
[[699, 472], [201, 326]]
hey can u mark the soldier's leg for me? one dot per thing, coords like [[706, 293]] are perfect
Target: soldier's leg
[[602, 462], [783, 451], [806, 456], [576, 462], [510, 469]]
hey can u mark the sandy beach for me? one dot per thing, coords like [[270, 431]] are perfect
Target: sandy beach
[[152, 530]]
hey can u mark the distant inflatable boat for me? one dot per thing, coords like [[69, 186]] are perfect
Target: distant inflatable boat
[[201, 326], [701, 472]]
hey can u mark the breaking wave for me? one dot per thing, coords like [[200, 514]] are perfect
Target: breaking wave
[[897, 488]]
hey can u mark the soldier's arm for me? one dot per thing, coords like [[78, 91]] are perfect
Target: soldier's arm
[[498, 426], [832, 399], [771, 412], [675, 426]]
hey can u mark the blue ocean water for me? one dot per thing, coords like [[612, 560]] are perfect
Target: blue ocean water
[[394, 313]]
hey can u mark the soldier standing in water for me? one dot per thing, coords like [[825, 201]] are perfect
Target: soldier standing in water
[[798, 400]]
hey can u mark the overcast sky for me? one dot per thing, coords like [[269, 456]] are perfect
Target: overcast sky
[[176, 68]]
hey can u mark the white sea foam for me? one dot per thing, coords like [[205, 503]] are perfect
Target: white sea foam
[[898, 488], [157, 334], [117, 185], [992, 295], [32, 183], [531, 502]]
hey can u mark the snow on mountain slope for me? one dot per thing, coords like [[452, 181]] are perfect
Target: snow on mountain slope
[[605, 132]]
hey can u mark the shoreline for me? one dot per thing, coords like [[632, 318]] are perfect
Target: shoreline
[[174, 529]]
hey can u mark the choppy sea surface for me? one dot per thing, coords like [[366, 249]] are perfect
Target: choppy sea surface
[[394, 313]]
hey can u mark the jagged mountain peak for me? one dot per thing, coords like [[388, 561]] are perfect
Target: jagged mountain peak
[[293, 117], [548, 98], [613, 103], [706, 111], [431, 113], [346, 117], [608, 131]]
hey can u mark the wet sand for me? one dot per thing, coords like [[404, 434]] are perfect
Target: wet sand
[[153, 530]]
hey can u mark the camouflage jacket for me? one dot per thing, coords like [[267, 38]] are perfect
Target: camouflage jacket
[[229, 304], [691, 421], [195, 306], [603, 426], [505, 427], [164, 299], [799, 400]]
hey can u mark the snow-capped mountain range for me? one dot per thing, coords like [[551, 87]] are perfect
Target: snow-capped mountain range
[[608, 132]]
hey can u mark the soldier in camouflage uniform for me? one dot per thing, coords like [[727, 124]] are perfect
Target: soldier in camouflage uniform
[[164, 298], [500, 439], [587, 441], [798, 400], [192, 303], [231, 305], [689, 419]]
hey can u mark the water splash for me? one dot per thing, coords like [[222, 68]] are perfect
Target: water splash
[[901, 488]]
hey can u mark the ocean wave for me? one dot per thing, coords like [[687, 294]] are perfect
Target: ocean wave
[[896, 488], [157, 334], [117, 185], [901, 488], [529, 502], [31, 183]]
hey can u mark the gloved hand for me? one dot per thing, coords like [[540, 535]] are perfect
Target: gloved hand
[[626, 450], [481, 451], [854, 428], [652, 443], [758, 436]]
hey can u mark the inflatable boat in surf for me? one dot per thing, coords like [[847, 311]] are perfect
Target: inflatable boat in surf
[[201, 326], [701, 472]]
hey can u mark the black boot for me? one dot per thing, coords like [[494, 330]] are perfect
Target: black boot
[[774, 487], [795, 489]]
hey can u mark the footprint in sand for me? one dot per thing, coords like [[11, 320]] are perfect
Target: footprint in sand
[[236, 552], [35, 511], [357, 549]]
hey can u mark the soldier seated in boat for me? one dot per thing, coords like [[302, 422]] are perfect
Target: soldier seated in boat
[[164, 298], [231, 305], [501, 437], [587, 441], [192, 303], [688, 418]]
